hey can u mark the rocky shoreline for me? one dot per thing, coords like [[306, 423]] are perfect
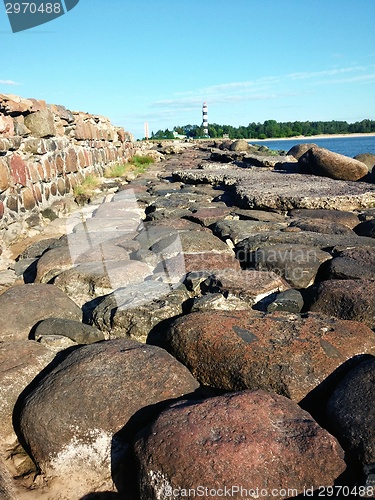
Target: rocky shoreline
[[207, 326]]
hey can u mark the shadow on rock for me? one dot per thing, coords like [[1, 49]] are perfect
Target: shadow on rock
[[123, 463], [59, 358], [315, 402]]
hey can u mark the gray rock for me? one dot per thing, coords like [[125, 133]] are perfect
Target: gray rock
[[225, 156], [276, 190], [74, 330], [258, 215], [368, 214], [346, 299], [351, 413], [190, 242], [134, 311], [219, 302], [297, 264], [271, 161], [249, 286], [348, 269], [31, 304], [352, 263], [245, 249], [6, 487], [290, 300], [280, 191], [238, 230], [323, 162], [37, 249], [85, 282], [366, 228], [70, 417]]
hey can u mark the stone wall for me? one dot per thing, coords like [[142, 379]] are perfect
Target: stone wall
[[45, 150]]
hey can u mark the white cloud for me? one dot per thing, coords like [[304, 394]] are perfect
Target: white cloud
[[264, 88], [330, 72], [8, 82]]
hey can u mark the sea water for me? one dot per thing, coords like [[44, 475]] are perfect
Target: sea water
[[348, 146]]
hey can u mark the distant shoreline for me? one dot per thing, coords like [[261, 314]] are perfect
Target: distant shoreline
[[312, 137]]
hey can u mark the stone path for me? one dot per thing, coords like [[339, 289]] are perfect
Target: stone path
[[202, 278]]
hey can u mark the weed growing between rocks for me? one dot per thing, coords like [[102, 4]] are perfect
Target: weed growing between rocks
[[84, 191], [137, 164]]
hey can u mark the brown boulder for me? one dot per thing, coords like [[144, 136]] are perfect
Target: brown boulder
[[240, 145], [23, 306], [14, 105], [18, 170], [368, 159], [281, 352], [320, 226], [4, 174], [348, 219], [6, 126], [69, 418], [351, 413], [345, 299], [41, 123], [208, 216], [300, 149], [52, 263], [325, 163], [256, 442]]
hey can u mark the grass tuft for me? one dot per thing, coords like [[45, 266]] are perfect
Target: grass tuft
[[84, 190], [137, 164]]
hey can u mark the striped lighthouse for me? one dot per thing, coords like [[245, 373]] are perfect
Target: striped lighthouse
[[205, 118]]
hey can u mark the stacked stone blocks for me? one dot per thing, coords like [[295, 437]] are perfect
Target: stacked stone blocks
[[45, 150]]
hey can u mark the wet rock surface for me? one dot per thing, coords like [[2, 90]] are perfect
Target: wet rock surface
[[250, 275]]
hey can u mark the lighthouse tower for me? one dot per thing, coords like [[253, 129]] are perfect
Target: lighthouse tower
[[205, 118]]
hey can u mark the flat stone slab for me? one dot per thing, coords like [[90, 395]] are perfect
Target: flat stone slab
[[276, 190]]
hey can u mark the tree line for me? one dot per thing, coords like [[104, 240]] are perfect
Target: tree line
[[269, 129]]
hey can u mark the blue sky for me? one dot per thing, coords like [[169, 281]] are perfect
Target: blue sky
[[158, 60]]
